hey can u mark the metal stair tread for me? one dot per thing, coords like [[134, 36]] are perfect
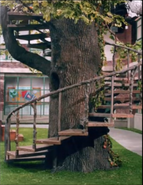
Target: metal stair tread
[[73, 132]]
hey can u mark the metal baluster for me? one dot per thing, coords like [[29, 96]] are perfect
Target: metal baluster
[[86, 105], [17, 132], [59, 112], [34, 125]]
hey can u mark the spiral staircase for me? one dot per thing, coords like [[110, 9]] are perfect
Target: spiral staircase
[[116, 83]]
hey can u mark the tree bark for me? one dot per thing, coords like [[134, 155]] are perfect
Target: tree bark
[[75, 58]]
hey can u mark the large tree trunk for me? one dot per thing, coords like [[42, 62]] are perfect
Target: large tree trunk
[[75, 57]]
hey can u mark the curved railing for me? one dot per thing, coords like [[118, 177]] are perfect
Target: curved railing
[[87, 83]]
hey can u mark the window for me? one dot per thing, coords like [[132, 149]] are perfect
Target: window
[[20, 89], [139, 29]]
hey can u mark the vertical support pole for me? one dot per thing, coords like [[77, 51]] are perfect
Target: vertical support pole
[[59, 112], [34, 125], [86, 105], [112, 88], [17, 132]]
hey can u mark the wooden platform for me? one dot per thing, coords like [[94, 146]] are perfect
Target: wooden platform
[[73, 132]]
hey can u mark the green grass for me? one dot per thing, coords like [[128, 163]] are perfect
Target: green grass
[[34, 174], [131, 129]]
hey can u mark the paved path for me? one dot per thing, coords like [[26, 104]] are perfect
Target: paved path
[[128, 139]]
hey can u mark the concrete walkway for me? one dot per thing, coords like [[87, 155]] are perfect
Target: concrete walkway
[[128, 139]]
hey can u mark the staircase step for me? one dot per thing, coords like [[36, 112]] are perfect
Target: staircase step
[[28, 27], [73, 132], [21, 159], [122, 99], [117, 79], [118, 115], [121, 84], [30, 148], [99, 124], [119, 106], [41, 45], [25, 153], [23, 16], [53, 140], [121, 115], [99, 115], [32, 36], [118, 91]]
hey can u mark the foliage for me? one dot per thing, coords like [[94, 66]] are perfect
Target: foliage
[[123, 54], [114, 158]]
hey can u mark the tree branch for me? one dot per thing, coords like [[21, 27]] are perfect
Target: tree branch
[[19, 53]]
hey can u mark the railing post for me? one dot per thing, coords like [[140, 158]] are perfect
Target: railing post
[[128, 57], [7, 137], [59, 112], [86, 106], [112, 87], [34, 125], [17, 132], [139, 68]]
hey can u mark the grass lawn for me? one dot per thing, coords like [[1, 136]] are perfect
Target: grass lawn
[[34, 173]]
